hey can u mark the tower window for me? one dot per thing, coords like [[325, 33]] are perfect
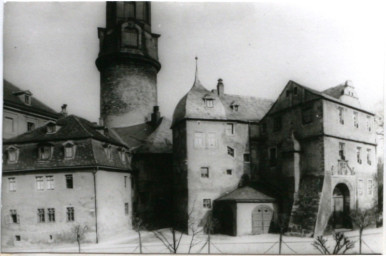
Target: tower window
[[355, 116], [341, 118], [359, 159], [130, 37], [125, 10], [17, 238], [360, 187], [229, 172], [14, 217], [69, 181]]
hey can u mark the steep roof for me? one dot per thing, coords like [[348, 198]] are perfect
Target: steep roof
[[192, 105], [12, 100], [71, 128], [147, 137], [335, 91], [246, 194]]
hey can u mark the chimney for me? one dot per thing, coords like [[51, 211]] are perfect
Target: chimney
[[64, 110], [155, 116], [220, 87]]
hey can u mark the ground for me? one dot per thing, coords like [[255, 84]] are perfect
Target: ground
[[373, 243]]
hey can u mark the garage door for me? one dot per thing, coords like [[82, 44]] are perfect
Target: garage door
[[261, 219]]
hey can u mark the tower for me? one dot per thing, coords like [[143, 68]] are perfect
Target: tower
[[128, 64]]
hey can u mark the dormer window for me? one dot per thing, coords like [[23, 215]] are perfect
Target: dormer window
[[108, 150], [52, 127], [27, 99], [122, 155], [69, 150], [234, 107], [209, 101], [45, 152], [24, 96], [13, 154]]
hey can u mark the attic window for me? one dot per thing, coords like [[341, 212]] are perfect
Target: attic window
[[69, 150], [52, 127], [13, 154], [209, 101], [235, 107], [108, 150], [27, 99], [122, 155], [45, 152], [295, 91]]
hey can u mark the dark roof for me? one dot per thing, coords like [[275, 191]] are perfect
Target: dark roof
[[335, 91], [192, 106], [12, 100], [71, 128], [246, 195], [147, 137]]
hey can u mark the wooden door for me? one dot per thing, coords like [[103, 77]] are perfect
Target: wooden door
[[261, 220]]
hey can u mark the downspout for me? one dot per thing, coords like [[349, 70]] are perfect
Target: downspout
[[250, 153], [95, 206]]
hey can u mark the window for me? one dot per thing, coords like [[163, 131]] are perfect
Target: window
[[70, 214], [12, 184], [341, 151], [229, 172], [13, 154], [287, 93], [359, 159], [277, 123], [17, 238], [126, 209], [369, 156], [45, 152], [125, 178], [30, 126], [295, 91], [50, 182], [235, 108], [39, 183], [230, 129], [14, 217], [9, 125], [199, 140], [307, 115], [370, 187], [209, 103], [341, 117], [69, 150], [211, 140], [69, 181], [140, 10], [204, 172], [27, 99], [231, 151], [207, 203], [247, 158], [108, 149], [272, 156], [125, 10], [355, 116], [51, 128], [360, 187], [122, 155], [130, 37], [368, 123], [41, 215], [51, 214]]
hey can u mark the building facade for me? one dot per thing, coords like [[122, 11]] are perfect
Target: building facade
[[64, 174], [22, 112]]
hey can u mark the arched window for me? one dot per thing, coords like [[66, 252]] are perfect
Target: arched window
[[130, 37], [13, 154]]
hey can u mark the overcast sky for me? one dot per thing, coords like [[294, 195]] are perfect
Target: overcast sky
[[50, 49]]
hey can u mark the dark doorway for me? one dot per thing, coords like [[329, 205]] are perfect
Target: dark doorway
[[341, 204], [226, 217]]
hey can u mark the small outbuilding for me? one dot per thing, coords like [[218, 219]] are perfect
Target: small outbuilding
[[244, 211]]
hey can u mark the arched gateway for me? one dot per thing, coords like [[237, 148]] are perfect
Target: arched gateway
[[341, 206]]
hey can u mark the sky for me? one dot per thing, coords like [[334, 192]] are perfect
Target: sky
[[255, 47]]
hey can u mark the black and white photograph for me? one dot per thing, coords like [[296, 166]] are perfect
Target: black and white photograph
[[148, 127]]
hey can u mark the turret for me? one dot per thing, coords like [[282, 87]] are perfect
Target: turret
[[128, 64]]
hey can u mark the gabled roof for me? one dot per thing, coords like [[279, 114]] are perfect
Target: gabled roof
[[12, 100], [335, 91], [246, 195], [71, 128]]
